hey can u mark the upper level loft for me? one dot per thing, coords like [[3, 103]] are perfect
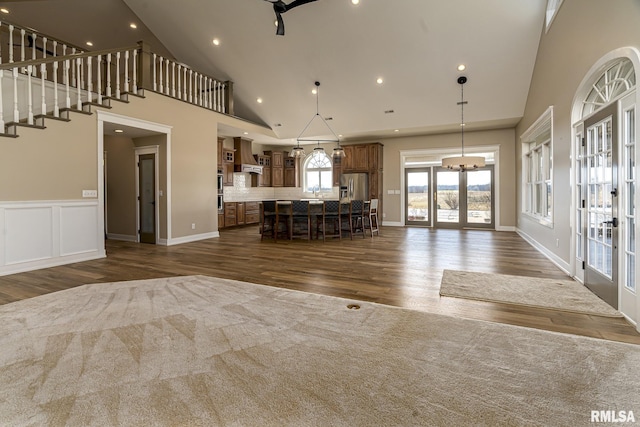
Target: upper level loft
[[43, 76]]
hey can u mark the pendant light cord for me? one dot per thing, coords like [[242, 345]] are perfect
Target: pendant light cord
[[462, 115]]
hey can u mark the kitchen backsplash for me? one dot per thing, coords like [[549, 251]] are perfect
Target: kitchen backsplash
[[243, 191]]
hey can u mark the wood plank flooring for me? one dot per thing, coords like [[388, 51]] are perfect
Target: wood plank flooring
[[402, 267]]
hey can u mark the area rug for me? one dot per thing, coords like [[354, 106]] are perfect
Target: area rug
[[564, 295], [201, 351]]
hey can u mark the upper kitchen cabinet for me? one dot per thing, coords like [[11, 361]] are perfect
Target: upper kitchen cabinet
[[362, 158], [277, 168], [227, 166]]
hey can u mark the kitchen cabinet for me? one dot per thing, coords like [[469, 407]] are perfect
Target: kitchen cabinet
[[240, 213], [291, 171], [277, 168], [264, 179], [220, 145], [220, 221], [348, 161], [227, 166], [230, 214], [361, 158], [337, 170], [251, 212]]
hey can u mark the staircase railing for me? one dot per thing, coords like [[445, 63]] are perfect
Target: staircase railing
[[63, 79]]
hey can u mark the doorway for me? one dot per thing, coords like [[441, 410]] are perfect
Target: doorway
[[147, 198], [460, 199]]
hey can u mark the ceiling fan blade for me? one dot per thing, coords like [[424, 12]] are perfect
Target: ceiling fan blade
[[280, 28], [297, 3]]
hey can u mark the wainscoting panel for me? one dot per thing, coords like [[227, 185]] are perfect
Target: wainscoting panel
[[40, 234]]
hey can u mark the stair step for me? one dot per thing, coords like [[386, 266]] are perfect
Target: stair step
[[12, 127], [140, 93], [8, 135], [39, 119], [64, 112], [86, 106], [124, 97]]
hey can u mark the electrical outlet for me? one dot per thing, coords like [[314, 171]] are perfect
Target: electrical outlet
[[89, 193], [193, 226]]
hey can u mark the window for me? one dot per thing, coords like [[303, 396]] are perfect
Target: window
[[629, 139], [616, 80], [318, 173], [552, 10], [537, 167]]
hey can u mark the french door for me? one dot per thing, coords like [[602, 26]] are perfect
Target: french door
[[460, 199], [418, 196], [600, 172]]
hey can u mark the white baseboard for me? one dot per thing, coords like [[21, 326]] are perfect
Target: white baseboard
[[559, 262], [192, 238], [391, 224], [122, 237], [506, 228], [51, 262]]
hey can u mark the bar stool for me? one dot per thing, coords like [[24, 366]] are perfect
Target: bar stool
[[357, 220], [283, 216], [331, 214], [300, 214], [267, 217], [371, 214], [345, 219]]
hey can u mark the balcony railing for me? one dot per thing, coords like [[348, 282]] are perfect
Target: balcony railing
[[44, 77]]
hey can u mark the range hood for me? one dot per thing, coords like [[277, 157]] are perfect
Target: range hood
[[243, 160]]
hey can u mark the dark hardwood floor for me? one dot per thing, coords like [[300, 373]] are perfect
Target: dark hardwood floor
[[402, 267]]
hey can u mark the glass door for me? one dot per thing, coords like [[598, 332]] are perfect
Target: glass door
[[418, 196], [464, 199], [601, 226]]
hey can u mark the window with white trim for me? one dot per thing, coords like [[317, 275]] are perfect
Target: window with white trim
[[537, 167], [318, 173], [552, 10]]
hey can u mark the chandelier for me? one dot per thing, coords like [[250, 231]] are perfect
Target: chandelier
[[463, 163], [299, 152]]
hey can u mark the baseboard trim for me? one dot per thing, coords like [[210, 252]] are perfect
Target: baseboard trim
[[192, 238], [122, 237], [50, 262], [506, 228], [391, 224], [559, 262]]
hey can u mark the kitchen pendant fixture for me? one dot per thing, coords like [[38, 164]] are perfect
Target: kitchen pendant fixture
[[463, 163], [298, 151]]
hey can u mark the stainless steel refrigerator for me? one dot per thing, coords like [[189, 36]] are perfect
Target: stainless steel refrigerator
[[354, 186]]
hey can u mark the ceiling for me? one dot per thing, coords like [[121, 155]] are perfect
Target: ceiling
[[415, 46]]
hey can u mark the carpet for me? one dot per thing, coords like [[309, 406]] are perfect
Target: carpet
[[201, 351], [564, 295]]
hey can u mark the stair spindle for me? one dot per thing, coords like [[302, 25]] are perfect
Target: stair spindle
[[135, 71], [155, 86], [89, 81], [16, 111], [43, 107], [30, 95], [73, 69], [11, 47], [56, 107], [78, 84], [118, 75], [223, 109], [126, 71], [22, 47], [44, 55], [166, 77], [67, 66], [173, 79], [99, 77], [191, 86], [108, 75]]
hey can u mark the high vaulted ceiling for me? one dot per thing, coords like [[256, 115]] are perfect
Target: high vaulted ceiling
[[415, 46]]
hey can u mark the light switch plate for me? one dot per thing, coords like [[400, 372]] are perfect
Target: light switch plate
[[89, 193]]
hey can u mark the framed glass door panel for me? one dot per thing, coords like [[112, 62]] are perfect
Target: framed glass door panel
[[418, 197], [447, 185], [479, 186]]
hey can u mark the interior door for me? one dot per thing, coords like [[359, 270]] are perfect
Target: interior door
[[601, 225], [418, 196], [147, 197]]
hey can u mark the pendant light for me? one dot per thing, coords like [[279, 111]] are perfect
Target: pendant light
[[463, 163], [298, 151]]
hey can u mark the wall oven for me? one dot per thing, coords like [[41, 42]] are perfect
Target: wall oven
[[220, 192]]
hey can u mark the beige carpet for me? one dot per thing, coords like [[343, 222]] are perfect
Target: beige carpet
[[565, 295], [199, 351]]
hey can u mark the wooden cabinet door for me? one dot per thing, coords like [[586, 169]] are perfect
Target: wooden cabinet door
[[277, 176], [277, 159], [227, 167], [220, 145], [240, 213], [348, 162], [337, 171], [289, 177], [230, 214], [361, 158], [375, 157]]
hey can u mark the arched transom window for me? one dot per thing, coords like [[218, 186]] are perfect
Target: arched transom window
[[318, 173], [616, 80]]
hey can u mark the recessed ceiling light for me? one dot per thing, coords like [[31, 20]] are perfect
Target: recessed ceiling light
[[462, 67], [216, 42], [133, 25], [259, 100], [355, 1], [89, 43], [379, 81], [246, 133], [396, 130], [4, 10], [118, 131], [314, 91]]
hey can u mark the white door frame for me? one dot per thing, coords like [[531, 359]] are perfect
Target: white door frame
[[632, 310]]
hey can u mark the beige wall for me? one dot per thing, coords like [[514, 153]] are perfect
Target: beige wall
[[582, 33], [120, 185], [392, 167], [55, 163]]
